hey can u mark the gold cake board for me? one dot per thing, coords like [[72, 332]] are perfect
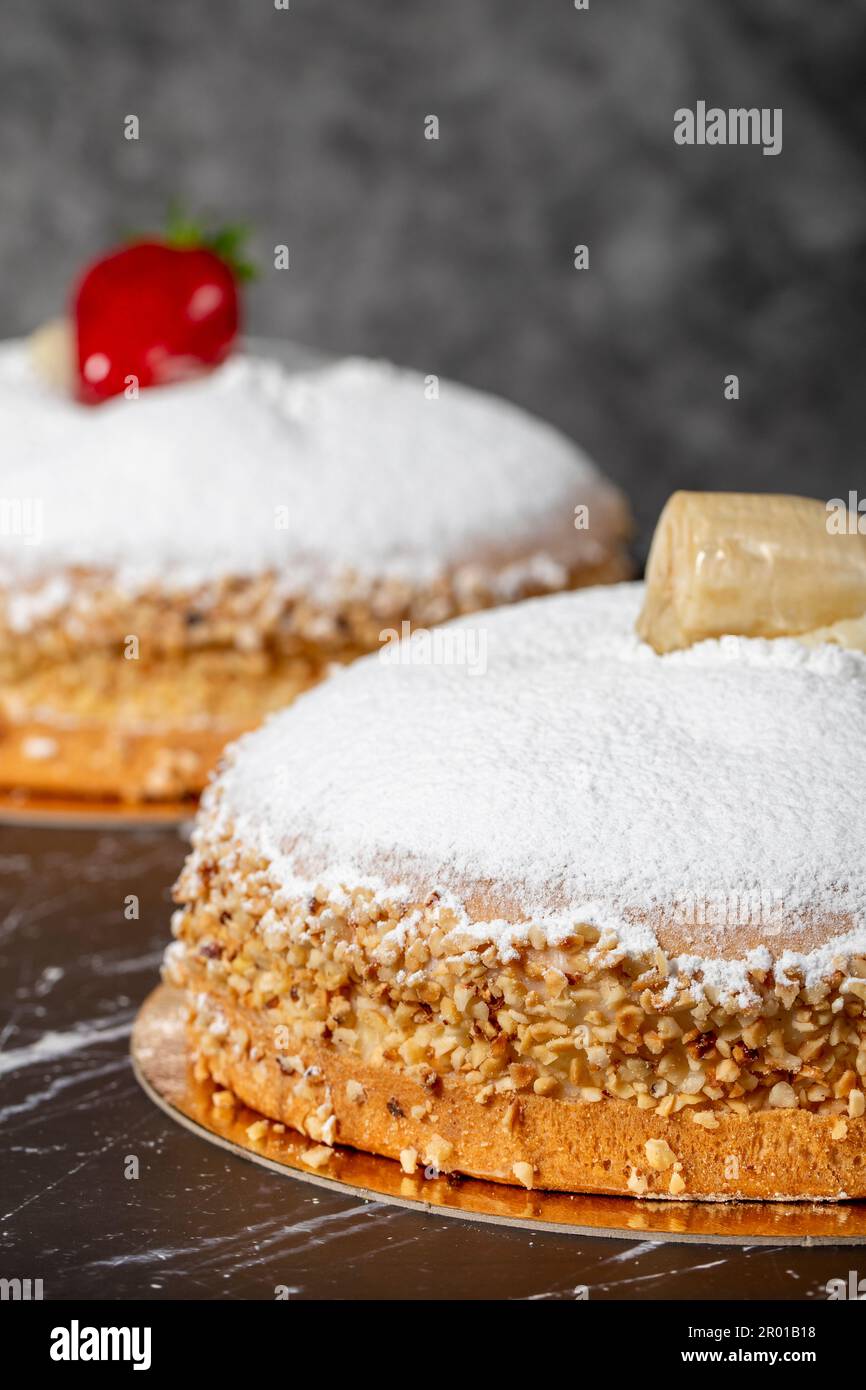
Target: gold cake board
[[59, 812], [161, 1064]]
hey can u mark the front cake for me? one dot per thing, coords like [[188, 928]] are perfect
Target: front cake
[[177, 562], [570, 914]]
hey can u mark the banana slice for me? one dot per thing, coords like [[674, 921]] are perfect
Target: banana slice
[[850, 633], [52, 349], [758, 566]]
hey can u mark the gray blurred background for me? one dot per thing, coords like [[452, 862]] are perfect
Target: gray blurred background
[[456, 255]]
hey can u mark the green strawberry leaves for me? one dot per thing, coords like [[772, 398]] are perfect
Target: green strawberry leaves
[[185, 232]]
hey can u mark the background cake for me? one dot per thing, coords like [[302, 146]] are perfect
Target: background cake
[[175, 565], [590, 918]]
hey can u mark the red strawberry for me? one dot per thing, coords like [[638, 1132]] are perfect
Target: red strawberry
[[157, 312]]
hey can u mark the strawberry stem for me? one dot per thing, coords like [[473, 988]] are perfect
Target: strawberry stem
[[185, 232]]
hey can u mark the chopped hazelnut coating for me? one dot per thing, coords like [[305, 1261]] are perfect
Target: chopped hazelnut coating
[[523, 1173], [660, 1154], [317, 1157], [578, 1021]]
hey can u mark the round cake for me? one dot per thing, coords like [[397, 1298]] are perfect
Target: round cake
[[537, 904], [175, 565]]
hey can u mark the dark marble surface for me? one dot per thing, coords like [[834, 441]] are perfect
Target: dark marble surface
[[200, 1223], [556, 127]]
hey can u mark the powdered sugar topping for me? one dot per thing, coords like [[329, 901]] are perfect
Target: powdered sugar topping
[[345, 468], [579, 776]]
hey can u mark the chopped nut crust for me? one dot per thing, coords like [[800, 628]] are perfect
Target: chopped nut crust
[[523, 1173], [579, 1022], [659, 1154]]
